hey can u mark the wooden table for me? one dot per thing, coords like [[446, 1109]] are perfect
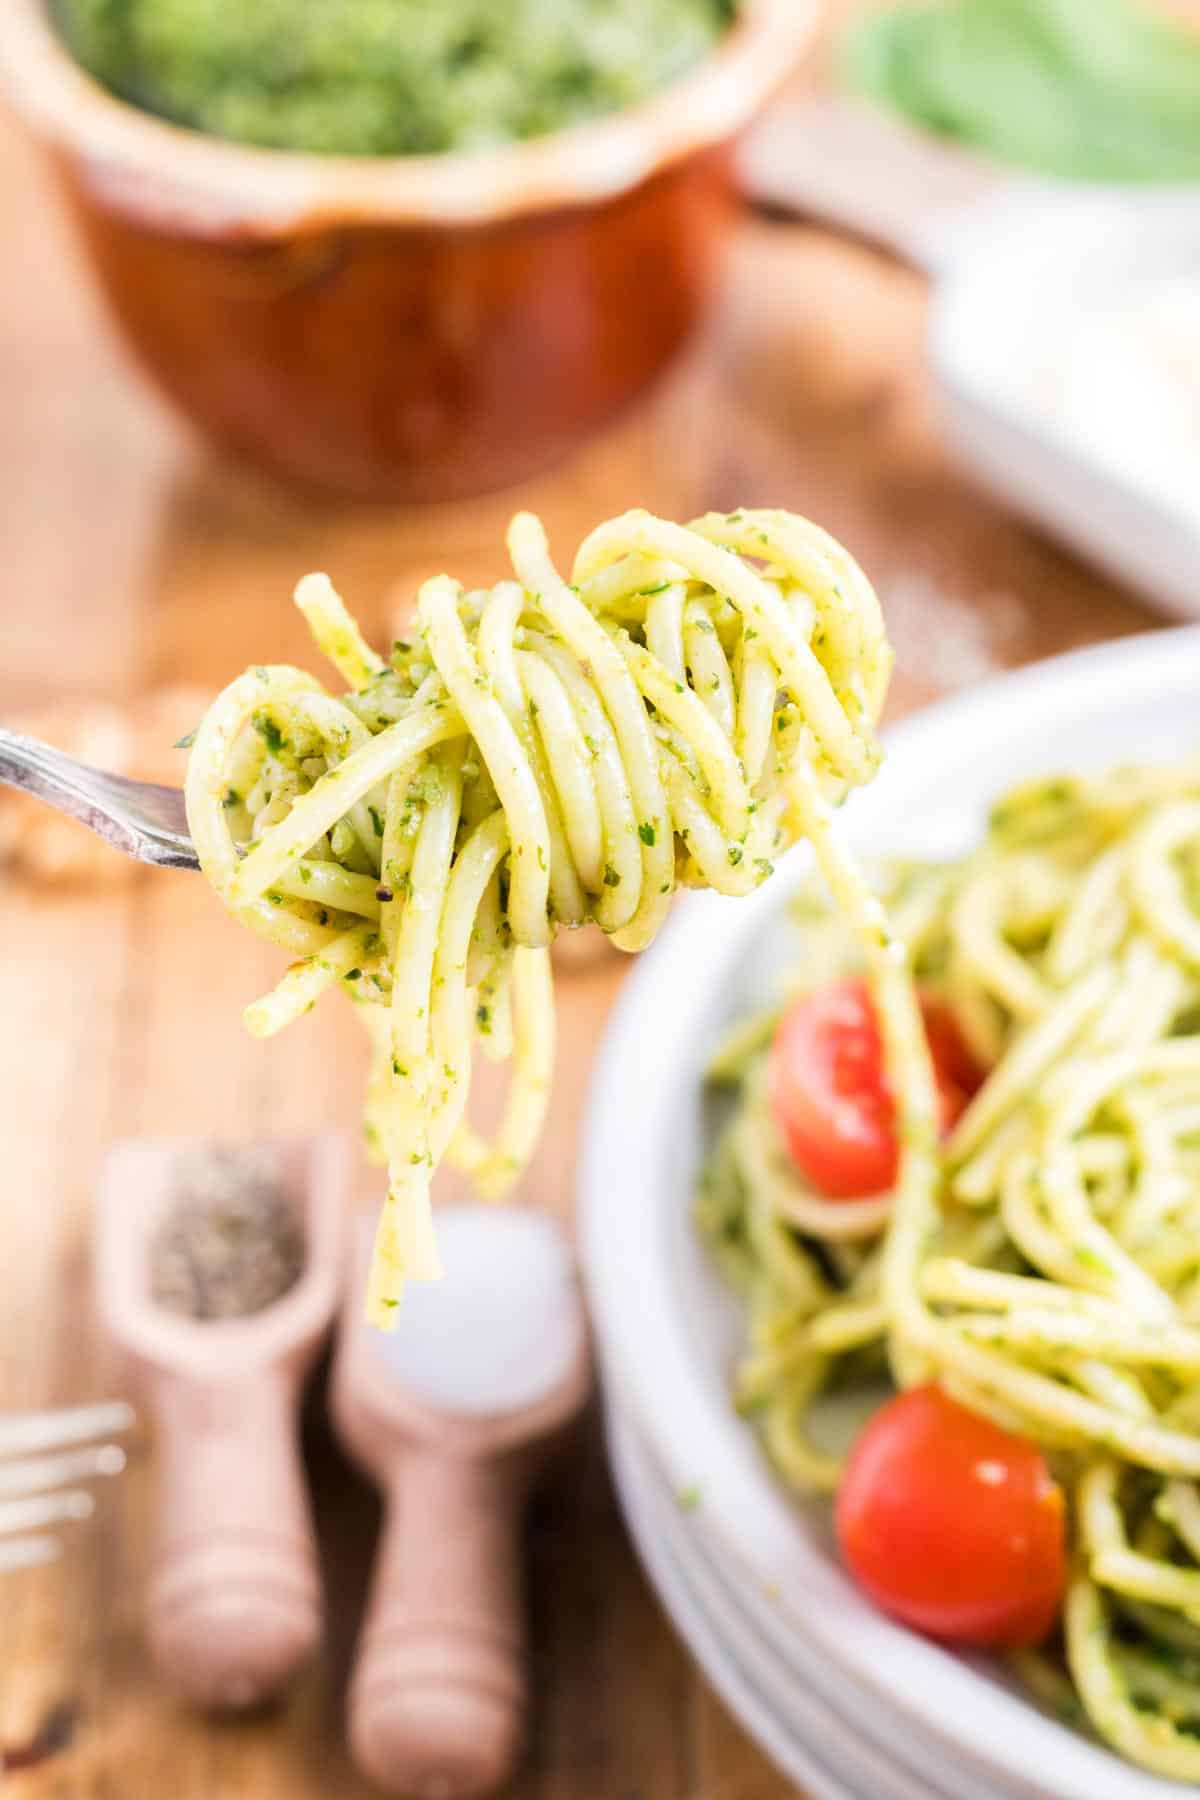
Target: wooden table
[[131, 558]]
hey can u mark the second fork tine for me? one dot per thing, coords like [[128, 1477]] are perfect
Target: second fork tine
[[36, 1474], [30, 1433], [28, 1553]]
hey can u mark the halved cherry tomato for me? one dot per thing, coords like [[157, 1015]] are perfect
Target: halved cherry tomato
[[952, 1525], [830, 1098]]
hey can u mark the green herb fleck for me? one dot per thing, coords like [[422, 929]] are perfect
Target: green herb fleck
[[1091, 1260], [270, 733], [611, 878], [646, 833]]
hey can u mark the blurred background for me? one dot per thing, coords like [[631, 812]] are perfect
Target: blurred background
[[944, 299]]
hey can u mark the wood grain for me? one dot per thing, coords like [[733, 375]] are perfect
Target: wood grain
[[131, 558]]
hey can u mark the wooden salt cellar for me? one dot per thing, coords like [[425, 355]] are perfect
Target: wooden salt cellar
[[438, 1694]]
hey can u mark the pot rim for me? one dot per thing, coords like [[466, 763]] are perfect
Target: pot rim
[[184, 180]]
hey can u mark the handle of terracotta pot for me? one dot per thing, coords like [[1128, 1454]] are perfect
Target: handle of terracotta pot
[[234, 1603], [438, 1695], [849, 166]]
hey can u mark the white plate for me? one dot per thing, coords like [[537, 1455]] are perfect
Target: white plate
[[717, 1629], [1010, 299], [1024, 268], [667, 1328]]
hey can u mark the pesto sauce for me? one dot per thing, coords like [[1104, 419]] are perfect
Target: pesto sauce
[[387, 77]]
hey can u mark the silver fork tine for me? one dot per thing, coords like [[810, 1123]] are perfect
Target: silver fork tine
[[29, 1553], [140, 817], [48, 1454], [38, 1473], [31, 1433], [46, 1509]]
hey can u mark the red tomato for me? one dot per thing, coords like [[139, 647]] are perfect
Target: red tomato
[[952, 1525], [829, 1096]]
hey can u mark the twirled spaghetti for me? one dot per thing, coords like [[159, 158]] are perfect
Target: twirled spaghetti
[[537, 755], [1049, 1275]]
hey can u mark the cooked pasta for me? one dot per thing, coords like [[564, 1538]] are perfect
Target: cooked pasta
[[537, 755], [1048, 1276]]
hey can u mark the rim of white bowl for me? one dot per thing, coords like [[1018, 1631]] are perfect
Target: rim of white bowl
[[724, 1671], [780, 1649], [789, 1687]]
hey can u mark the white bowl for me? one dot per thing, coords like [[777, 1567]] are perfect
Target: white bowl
[[666, 1327], [796, 1718], [871, 1746], [794, 1742]]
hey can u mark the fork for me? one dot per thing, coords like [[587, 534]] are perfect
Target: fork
[[141, 818], [43, 1456]]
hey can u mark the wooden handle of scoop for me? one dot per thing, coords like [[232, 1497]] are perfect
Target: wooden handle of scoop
[[438, 1695], [234, 1605]]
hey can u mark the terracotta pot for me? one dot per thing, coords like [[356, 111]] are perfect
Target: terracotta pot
[[408, 327]]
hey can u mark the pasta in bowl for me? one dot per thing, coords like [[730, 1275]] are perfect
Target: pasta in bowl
[[1056, 1289], [791, 1323]]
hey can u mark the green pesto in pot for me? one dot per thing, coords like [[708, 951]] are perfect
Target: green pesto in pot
[[387, 77]]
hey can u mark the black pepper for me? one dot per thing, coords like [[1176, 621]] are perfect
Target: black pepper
[[230, 1242]]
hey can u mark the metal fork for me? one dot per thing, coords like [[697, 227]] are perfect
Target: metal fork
[[43, 1458], [139, 817]]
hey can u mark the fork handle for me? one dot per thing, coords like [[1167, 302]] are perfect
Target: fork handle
[[106, 804], [39, 769], [234, 1604]]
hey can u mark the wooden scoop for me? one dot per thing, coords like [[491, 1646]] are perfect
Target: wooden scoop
[[452, 1415], [234, 1604]]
